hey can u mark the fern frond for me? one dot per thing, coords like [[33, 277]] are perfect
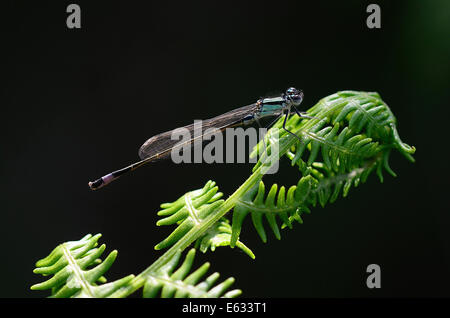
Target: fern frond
[[279, 203], [220, 235], [361, 110], [190, 210], [348, 128], [77, 270], [168, 282], [351, 135], [341, 151], [319, 185], [185, 205]]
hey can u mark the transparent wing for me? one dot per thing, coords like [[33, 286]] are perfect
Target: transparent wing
[[160, 146]]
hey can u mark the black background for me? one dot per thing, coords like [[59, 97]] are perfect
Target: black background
[[78, 103]]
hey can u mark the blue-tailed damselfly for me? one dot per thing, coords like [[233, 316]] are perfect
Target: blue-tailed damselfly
[[160, 146]]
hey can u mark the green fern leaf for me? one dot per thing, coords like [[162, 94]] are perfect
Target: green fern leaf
[[220, 235], [190, 210], [70, 263], [281, 203], [168, 282]]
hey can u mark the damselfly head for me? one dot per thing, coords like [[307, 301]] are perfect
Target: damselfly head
[[295, 95]]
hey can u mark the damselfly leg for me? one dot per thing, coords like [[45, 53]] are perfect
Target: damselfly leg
[[284, 125], [303, 114]]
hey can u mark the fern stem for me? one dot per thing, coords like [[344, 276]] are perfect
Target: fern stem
[[73, 265], [190, 237], [202, 227]]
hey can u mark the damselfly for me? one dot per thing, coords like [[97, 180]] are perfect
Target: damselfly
[[160, 146]]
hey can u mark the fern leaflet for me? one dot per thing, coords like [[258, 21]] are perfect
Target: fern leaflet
[[70, 263]]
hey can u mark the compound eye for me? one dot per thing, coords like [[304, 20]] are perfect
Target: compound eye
[[295, 95], [292, 91], [297, 99]]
